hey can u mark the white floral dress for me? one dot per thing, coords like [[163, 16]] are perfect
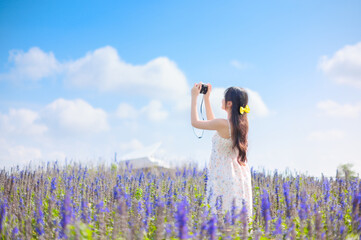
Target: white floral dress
[[226, 177]]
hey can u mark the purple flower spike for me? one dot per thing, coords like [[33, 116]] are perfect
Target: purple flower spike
[[39, 216], [14, 233], [212, 227], [66, 212], [53, 185], [342, 229], [266, 209], [286, 192], [84, 211], [168, 229], [233, 211], [203, 228], [182, 219], [227, 218], [278, 226], [3, 206], [277, 195], [244, 211], [303, 210], [326, 186], [219, 201]]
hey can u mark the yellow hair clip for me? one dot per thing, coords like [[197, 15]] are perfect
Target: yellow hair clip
[[244, 109]]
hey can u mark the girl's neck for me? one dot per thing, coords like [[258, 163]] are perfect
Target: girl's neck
[[228, 115]]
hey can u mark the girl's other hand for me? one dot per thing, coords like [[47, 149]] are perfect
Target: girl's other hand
[[208, 91], [196, 89]]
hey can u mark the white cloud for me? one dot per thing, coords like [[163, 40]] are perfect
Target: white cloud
[[21, 121], [239, 65], [23, 153], [344, 66], [334, 109], [255, 102], [216, 97], [104, 70], [126, 111], [12, 155], [327, 135], [153, 111], [32, 65], [56, 155], [76, 115], [132, 145]]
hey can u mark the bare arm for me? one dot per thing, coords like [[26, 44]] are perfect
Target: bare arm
[[194, 114], [213, 124], [209, 111]]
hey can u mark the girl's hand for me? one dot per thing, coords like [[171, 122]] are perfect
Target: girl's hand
[[208, 91], [196, 89]]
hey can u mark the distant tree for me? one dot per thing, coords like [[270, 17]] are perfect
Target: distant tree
[[345, 171]]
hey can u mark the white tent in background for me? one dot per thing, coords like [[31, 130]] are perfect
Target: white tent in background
[[143, 158]]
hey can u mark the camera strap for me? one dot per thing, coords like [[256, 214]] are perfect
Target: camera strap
[[202, 118]]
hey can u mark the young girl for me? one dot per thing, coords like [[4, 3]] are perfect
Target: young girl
[[229, 175]]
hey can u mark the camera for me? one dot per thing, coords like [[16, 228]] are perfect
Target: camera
[[204, 88]]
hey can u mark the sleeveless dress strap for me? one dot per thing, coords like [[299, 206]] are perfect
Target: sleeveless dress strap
[[229, 127]]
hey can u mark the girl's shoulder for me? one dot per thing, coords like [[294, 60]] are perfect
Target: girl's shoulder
[[223, 131], [223, 120], [222, 123]]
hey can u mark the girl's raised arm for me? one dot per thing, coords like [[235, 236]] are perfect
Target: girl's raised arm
[[214, 124], [209, 112], [207, 103]]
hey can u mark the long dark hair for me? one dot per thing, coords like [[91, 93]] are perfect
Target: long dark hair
[[239, 98]]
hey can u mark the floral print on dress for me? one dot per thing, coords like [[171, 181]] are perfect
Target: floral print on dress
[[227, 178]]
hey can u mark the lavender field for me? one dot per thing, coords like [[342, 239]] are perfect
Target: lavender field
[[108, 202]]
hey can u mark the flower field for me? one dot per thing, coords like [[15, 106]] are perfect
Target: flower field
[[78, 202]]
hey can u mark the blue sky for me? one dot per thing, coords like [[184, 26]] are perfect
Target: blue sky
[[69, 71]]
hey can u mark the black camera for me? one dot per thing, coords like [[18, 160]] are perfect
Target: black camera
[[204, 88]]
